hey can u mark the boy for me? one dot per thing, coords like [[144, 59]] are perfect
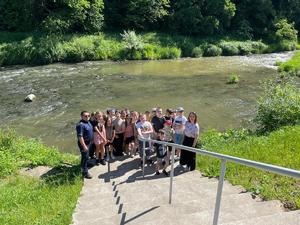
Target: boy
[[161, 154]]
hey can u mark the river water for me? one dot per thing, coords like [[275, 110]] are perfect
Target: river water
[[63, 90]]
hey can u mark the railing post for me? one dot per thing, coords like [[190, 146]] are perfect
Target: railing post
[[144, 146], [172, 175], [219, 192]]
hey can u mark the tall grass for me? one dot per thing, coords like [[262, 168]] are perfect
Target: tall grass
[[291, 66], [38, 48], [281, 147]]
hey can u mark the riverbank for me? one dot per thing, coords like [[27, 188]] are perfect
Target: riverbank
[[280, 148], [24, 199], [37, 48], [291, 66]]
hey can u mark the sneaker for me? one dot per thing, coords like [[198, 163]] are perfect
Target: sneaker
[[150, 162], [107, 158], [157, 173], [87, 176], [97, 162], [165, 173], [102, 162]]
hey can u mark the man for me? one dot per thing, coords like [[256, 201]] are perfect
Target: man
[[84, 131], [158, 121]]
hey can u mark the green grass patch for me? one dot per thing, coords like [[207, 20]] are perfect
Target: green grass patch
[[281, 147], [292, 65], [27, 200]]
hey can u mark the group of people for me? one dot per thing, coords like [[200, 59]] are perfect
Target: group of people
[[115, 133]]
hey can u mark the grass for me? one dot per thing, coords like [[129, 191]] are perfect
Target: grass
[[27, 200], [281, 147], [233, 79], [292, 65], [38, 48]]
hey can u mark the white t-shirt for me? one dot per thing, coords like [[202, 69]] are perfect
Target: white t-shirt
[[145, 126], [191, 129], [179, 123]]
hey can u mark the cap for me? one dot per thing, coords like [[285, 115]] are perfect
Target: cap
[[180, 109], [153, 109]]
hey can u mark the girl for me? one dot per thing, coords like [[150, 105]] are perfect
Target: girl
[[119, 125], [99, 138], [110, 135], [191, 133], [129, 136]]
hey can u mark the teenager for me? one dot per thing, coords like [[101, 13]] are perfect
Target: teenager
[[158, 120], [110, 135], [178, 125], [99, 138], [119, 125], [161, 154], [191, 134], [129, 137]]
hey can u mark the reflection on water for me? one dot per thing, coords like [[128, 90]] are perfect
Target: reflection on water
[[63, 90]]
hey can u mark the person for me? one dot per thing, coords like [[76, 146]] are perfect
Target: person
[[161, 154], [110, 135], [191, 133], [158, 121], [169, 115], [144, 130], [99, 138], [148, 116], [169, 135], [178, 126], [129, 136], [119, 125], [92, 149], [84, 132]]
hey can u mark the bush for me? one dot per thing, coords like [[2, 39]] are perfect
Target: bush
[[197, 52], [212, 50], [174, 53], [285, 35], [278, 106], [233, 79], [258, 47], [229, 48], [245, 48]]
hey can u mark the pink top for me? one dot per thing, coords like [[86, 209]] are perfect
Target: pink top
[[129, 131]]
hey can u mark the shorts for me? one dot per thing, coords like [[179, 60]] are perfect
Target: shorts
[[179, 138], [128, 140], [97, 139], [160, 160], [108, 143]]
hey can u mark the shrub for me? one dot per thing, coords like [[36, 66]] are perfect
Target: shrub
[[245, 48], [285, 35], [212, 50], [55, 25], [233, 79], [148, 52], [229, 48], [174, 53], [197, 52], [258, 47], [278, 106], [132, 42]]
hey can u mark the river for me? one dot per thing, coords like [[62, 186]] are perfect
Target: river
[[63, 90]]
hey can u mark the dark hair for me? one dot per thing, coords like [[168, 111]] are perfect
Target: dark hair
[[126, 123], [83, 112], [193, 114]]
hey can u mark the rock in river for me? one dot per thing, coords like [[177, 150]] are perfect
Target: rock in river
[[30, 98]]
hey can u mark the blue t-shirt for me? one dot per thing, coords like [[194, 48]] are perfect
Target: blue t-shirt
[[85, 129]]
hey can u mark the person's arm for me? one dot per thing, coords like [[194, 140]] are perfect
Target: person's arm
[[113, 135], [196, 136], [81, 141], [104, 134]]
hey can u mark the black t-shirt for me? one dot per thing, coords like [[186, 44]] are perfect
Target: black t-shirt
[[158, 123]]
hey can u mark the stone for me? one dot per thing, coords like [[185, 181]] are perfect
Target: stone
[[29, 98]]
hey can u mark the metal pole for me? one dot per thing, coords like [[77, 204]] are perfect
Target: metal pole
[[219, 192], [172, 175], [144, 146]]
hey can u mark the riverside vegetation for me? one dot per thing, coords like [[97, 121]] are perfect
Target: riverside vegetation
[[50, 199], [74, 31], [275, 140]]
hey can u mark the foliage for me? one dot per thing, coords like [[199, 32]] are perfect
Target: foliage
[[233, 79], [285, 35], [212, 50], [275, 147], [278, 106], [197, 52], [229, 48]]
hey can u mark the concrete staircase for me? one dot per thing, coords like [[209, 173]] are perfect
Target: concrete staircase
[[122, 196]]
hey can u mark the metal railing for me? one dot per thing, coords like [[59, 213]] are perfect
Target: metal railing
[[224, 158]]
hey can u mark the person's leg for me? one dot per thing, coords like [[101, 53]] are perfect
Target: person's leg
[[101, 151], [84, 161], [192, 161]]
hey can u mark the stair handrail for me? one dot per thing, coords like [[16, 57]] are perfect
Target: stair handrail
[[251, 163]]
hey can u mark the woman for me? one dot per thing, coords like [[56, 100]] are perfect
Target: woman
[[191, 133], [110, 135], [99, 137], [119, 125], [129, 136]]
